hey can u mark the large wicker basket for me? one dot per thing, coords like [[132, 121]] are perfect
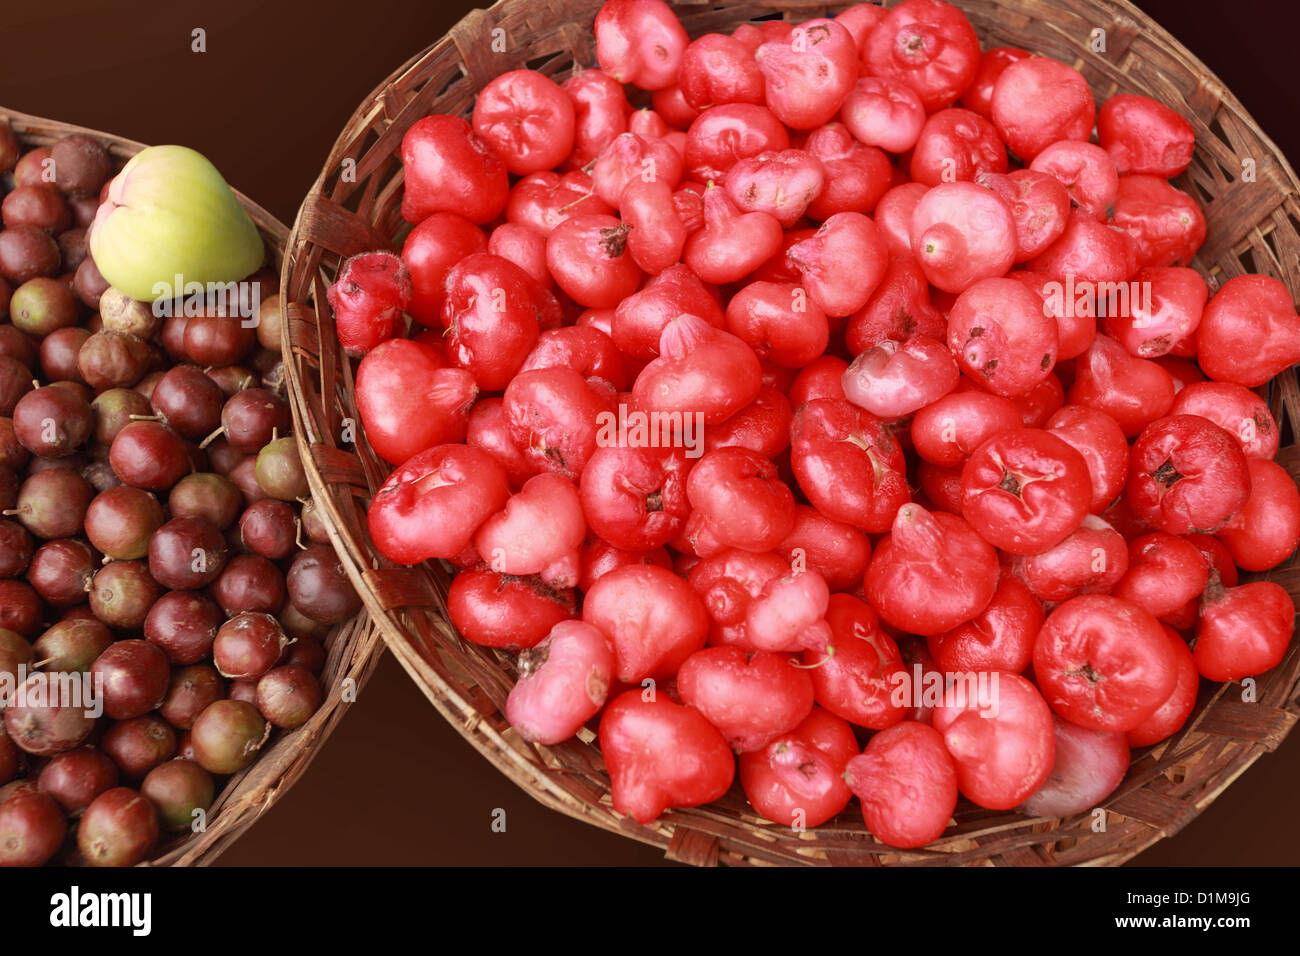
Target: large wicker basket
[[1254, 226], [353, 647]]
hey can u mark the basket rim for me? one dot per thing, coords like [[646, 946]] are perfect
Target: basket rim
[[451, 701], [244, 797]]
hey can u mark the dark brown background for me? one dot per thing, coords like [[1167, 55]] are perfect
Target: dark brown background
[[395, 784]]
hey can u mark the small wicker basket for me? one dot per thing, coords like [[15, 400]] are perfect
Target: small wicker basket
[[1254, 226], [353, 647]]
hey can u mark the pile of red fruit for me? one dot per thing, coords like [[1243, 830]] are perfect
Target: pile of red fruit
[[161, 609], [857, 387]]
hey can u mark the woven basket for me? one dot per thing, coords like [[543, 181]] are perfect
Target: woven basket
[[354, 207], [353, 647]]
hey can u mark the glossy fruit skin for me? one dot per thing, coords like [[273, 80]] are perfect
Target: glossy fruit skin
[[1163, 317], [640, 42], [884, 112], [589, 259], [639, 320], [962, 233], [782, 184], [187, 553], [600, 557], [410, 401], [733, 243], [999, 638], [527, 119], [893, 214], [1099, 439], [993, 63], [653, 617], [946, 432], [1001, 741], [288, 696], [1236, 410], [178, 788], [192, 689], [556, 419], [1165, 226], [1090, 560], [448, 168], [150, 455], [1037, 102], [660, 755], [635, 497], [510, 613], [658, 234], [52, 422], [432, 505], [562, 684], [1089, 765], [135, 675], [433, 247], [1143, 135], [856, 676], [856, 175], [808, 73], [544, 200], [627, 159], [956, 145], [524, 246], [898, 309], [74, 778], [719, 69], [539, 531], [837, 551], [1165, 572], [1187, 474], [728, 583], [1249, 331], [1024, 490], [905, 583], [1087, 173], [722, 135], [227, 736], [32, 829], [1133, 391], [489, 431], [848, 464], [894, 379], [907, 783], [139, 744], [118, 829], [1039, 205], [797, 778], [738, 496], [319, 588], [41, 727], [1267, 528], [183, 624], [584, 349], [1103, 663], [930, 46], [1171, 715], [600, 113], [842, 263], [750, 698], [700, 370], [493, 313], [1001, 337], [368, 299], [1243, 631]]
